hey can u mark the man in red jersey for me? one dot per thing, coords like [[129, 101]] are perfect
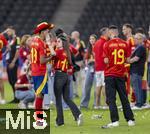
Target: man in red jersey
[[127, 32], [3, 42], [38, 62], [100, 65], [115, 56]]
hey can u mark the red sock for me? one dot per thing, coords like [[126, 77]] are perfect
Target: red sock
[[38, 103]]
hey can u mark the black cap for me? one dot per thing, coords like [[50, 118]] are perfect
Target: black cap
[[58, 32], [62, 36]]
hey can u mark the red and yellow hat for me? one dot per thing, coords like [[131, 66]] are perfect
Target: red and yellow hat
[[43, 26]]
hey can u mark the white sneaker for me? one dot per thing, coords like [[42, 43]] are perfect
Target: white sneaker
[[80, 120], [97, 107], [21, 105], [51, 102], [111, 125], [2, 102], [145, 106], [31, 105], [46, 107], [119, 107], [136, 108], [131, 123], [132, 104], [105, 107]]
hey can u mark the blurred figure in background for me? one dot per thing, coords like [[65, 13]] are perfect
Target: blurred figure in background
[[148, 46], [24, 52], [90, 73], [3, 43], [99, 67], [144, 78], [49, 98], [137, 61], [79, 60], [127, 31], [24, 89], [12, 54]]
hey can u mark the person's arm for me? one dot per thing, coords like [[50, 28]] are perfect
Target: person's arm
[[138, 54], [44, 59], [106, 60], [105, 54], [52, 51], [12, 64], [132, 60], [50, 44]]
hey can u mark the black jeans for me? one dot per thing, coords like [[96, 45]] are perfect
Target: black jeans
[[61, 88], [12, 76], [114, 84]]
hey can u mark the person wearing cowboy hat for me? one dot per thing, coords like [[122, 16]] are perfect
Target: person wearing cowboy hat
[[39, 60]]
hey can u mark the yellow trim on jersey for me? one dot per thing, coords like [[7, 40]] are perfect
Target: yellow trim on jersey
[[127, 65], [132, 41], [40, 88]]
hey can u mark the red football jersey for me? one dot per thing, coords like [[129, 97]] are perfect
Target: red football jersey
[[61, 61], [22, 80], [131, 44], [38, 49], [116, 50], [73, 50], [147, 43], [98, 54], [3, 42]]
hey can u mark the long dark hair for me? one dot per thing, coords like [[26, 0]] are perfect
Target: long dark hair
[[67, 50], [65, 43], [89, 48]]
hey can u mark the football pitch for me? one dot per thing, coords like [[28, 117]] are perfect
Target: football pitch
[[91, 125]]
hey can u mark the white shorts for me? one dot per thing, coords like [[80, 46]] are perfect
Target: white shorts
[[1, 69], [100, 78]]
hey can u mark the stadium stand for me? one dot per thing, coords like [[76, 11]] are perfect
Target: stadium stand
[[100, 13], [25, 14]]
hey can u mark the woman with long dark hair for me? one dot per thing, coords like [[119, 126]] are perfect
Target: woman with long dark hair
[[90, 72], [62, 65]]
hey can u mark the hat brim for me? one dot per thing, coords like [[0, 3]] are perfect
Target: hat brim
[[39, 29]]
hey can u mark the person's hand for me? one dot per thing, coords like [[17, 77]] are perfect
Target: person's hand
[[53, 44], [48, 39], [30, 86], [91, 60], [8, 48], [11, 65]]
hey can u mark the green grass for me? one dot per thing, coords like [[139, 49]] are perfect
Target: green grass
[[9, 97], [94, 126], [91, 126]]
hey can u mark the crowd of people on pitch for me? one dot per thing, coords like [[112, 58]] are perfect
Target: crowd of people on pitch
[[84, 64]]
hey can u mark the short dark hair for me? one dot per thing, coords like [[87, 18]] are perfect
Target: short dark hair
[[128, 26], [140, 30], [102, 30], [113, 27]]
